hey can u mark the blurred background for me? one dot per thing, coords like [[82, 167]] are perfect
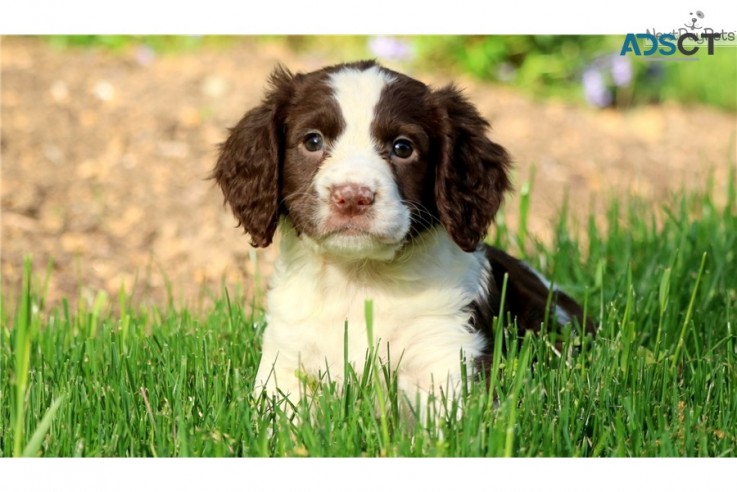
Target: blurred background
[[107, 143]]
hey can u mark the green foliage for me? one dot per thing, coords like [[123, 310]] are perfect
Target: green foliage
[[543, 65], [117, 43], [547, 66], [658, 380], [710, 80]]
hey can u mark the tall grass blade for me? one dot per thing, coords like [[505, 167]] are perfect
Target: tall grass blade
[[519, 378], [368, 309], [689, 313], [22, 351], [34, 443]]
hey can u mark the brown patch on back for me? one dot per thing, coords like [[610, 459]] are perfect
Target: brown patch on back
[[527, 298]]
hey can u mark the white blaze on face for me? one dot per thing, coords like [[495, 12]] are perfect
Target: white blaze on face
[[357, 93], [354, 159]]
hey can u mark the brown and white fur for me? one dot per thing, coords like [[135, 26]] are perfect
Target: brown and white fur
[[382, 188]]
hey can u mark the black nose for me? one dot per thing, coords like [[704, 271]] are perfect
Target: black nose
[[352, 199]]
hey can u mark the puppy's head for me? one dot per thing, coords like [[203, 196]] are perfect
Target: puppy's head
[[359, 159]]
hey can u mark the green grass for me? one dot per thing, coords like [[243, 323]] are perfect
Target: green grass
[[659, 380], [118, 43]]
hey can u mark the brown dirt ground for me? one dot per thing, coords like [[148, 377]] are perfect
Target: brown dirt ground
[[105, 159]]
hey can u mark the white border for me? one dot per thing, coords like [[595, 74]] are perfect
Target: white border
[[370, 475], [346, 17], [351, 17]]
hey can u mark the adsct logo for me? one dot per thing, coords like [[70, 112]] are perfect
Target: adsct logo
[[686, 40]]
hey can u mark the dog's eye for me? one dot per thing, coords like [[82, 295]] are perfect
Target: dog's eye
[[313, 142], [402, 148]]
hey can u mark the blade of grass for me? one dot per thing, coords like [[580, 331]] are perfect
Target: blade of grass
[[22, 352], [689, 313], [524, 209], [368, 309], [519, 377], [663, 293], [36, 440], [498, 343]]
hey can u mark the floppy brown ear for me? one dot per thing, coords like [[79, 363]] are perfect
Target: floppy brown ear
[[248, 167], [472, 175]]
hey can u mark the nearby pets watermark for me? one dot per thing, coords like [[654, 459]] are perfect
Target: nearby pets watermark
[[688, 40]]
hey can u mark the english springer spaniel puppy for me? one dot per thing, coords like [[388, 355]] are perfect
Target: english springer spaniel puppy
[[382, 188]]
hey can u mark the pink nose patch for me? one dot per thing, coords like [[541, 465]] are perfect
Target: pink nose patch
[[351, 199]]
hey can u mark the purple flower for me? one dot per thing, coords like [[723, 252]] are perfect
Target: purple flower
[[595, 89], [506, 72], [621, 70], [145, 55], [390, 48]]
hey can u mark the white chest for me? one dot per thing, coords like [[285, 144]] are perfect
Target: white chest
[[420, 314]]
